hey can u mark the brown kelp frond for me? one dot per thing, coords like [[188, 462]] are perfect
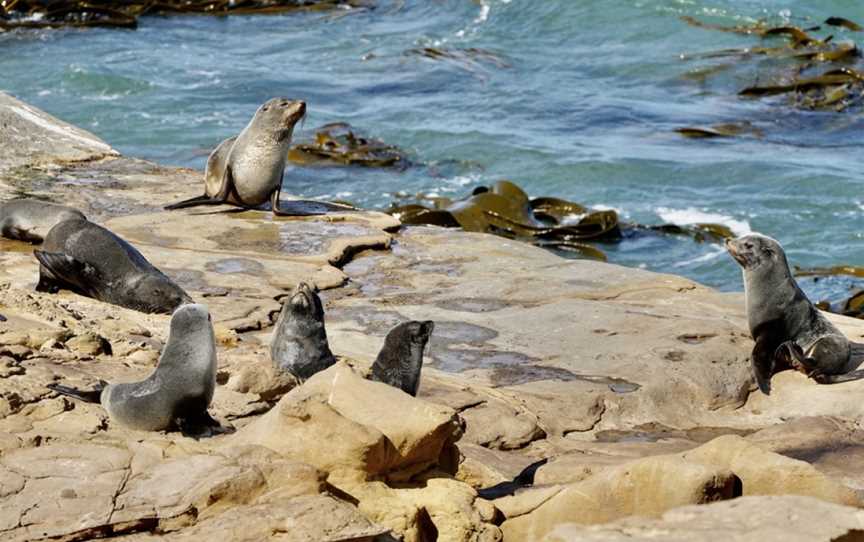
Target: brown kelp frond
[[730, 129], [801, 63], [124, 14], [505, 209], [337, 144]]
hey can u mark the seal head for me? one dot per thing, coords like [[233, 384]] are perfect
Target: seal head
[[401, 358], [299, 344]]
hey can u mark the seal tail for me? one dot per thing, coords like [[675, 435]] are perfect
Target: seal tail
[[194, 202], [88, 396]]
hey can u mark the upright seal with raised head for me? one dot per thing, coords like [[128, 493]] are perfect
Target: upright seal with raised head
[[30, 220], [178, 392], [401, 358], [299, 344], [92, 261], [787, 327], [247, 170]]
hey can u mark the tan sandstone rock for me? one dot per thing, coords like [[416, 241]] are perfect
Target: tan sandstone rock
[[747, 519], [647, 487], [767, 473], [352, 427]]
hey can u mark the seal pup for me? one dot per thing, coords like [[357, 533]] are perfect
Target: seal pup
[[786, 326], [30, 220], [90, 260], [299, 343], [178, 391], [247, 170], [401, 358]]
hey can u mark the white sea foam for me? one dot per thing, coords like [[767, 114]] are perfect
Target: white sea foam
[[463, 180], [484, 13], [714, 254], [691, 215], [604, 207]]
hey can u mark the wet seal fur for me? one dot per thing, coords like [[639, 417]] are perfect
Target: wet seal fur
[[178, 392], [30, 220], [787, 327], [92, 261], [247, 170], [401, 358], [299, 344]]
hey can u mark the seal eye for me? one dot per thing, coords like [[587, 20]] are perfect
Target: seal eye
[[748, 246], [265, 108]]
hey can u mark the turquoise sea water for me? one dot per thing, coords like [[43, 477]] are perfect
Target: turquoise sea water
[[581, 104]]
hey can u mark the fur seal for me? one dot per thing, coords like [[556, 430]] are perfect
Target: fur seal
[[30, 220], [90, 260], [247, 170], [299, 344], [178, 392], [786, 326], [401, 358]]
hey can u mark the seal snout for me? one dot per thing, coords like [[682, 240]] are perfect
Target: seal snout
[[294, 110], [733, 248]]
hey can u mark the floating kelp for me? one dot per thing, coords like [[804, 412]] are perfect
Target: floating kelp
[[834, 89], [701, 233], [756, 28], [853, 304], [124, 13], [461, 55], [731, 129], [505, 209], [846, 23], [849, 270], [338, 144]]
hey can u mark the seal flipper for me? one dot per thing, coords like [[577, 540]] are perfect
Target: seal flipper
[[198, 424], [63, 270], [194, 202], [88, 396], [762, 362], [22, 234], [221, 198]]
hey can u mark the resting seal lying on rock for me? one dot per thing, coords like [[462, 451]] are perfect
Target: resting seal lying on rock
[[92, 261], [30, 220], [786, 326], [178, 392]]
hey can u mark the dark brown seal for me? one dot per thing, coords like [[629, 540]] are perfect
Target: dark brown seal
[[401, 358], [90, 260]]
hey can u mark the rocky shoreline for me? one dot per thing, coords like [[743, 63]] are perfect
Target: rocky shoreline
[[634, 387]]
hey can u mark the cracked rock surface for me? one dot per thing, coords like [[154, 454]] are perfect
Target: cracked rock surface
[[634, 387]]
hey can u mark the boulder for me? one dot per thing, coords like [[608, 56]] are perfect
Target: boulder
[[747, 519], [352, 427], [647, 487]]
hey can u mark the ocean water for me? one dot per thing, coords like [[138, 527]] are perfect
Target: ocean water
[[580, 102]]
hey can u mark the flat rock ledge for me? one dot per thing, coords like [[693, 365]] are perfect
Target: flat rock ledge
[[561, 399]]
